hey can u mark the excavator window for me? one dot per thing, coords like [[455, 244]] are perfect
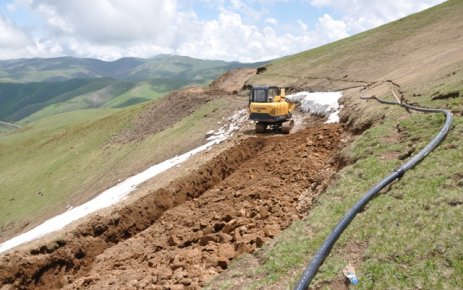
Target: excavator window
[[263, 94], [272, 93], [259, 95]]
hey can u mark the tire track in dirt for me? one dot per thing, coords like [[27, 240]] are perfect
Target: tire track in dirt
[[184, 234]]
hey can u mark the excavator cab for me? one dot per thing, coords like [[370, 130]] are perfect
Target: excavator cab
[[263, 94], [268, 107]]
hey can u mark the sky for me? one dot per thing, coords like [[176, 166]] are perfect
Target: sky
[[232, 30]]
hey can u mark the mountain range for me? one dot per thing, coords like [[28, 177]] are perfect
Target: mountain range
[[38, 87]]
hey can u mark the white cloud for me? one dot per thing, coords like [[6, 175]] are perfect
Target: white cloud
[[111, 29], [12, 39], [360, 15], [271, 21], [237, 4], [302, 25], [108, 21], [231, 39], [331, 29]]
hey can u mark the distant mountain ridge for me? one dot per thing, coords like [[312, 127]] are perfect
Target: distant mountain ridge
[[35, 88], [128, 68]]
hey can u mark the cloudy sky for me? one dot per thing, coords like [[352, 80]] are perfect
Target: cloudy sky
[[244, 30]]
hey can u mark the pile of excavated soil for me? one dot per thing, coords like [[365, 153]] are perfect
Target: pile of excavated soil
[[233, 80], [184, 234], [164, 113]]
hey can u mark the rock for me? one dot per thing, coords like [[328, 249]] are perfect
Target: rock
[[224, 238], [98, 229], [195, 236], [203, 225], [253, 214], [242, 248], [237, 235], [177, 262], [174, 241], [226, 218], [218, 226], [242, 212], [263, 212], [179, 274], [186, 281], [191, 253], [249, 238], [210, 248], [204, 240], [208, 230], [163, 273], [211, 261], [226, 250], [230, 226], [260, 241], [222, 262], [271, 230], [151, 264]]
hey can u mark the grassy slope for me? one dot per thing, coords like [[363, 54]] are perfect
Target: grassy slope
[[410, 236], [59, 159], [21, 100], [117, 94]]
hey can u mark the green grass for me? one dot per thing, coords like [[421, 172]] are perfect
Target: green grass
[[42, 164], [22, 100]]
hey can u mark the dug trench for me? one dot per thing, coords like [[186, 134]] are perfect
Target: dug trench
[[182, 235]]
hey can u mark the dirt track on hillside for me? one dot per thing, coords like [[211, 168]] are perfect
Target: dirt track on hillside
[[184, 234]]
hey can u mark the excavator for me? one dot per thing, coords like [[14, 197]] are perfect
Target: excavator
[[269, 108]]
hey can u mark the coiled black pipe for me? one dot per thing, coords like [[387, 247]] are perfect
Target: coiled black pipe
[[319, 258]]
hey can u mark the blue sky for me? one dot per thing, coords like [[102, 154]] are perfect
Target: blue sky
[[240, 30]]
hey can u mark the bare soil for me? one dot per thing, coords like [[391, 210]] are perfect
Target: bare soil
[[184, 234], [169, 110]]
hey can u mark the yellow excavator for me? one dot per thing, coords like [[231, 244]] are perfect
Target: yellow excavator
[[269, 108]]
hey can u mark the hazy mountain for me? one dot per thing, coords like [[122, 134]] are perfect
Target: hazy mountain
[[36, 88], [129, 68]]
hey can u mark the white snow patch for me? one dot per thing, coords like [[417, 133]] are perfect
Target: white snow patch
[[319, 103], [120, 191], [232, 124]]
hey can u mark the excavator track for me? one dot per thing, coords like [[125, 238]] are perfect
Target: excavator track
[[287, 126], [260, 127]]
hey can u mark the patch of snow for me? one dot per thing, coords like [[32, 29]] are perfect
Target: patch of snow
[[319, 103], [232, 124], [120, 191]]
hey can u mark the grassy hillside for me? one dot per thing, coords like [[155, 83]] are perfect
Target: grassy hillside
[[20, 100], [410, 236]]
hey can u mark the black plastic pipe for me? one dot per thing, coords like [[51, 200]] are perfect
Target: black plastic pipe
[[325, 249]]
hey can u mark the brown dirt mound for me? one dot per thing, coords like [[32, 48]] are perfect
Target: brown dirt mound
[[181, 103], [174, 107], [233, 80], [183, 235]]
